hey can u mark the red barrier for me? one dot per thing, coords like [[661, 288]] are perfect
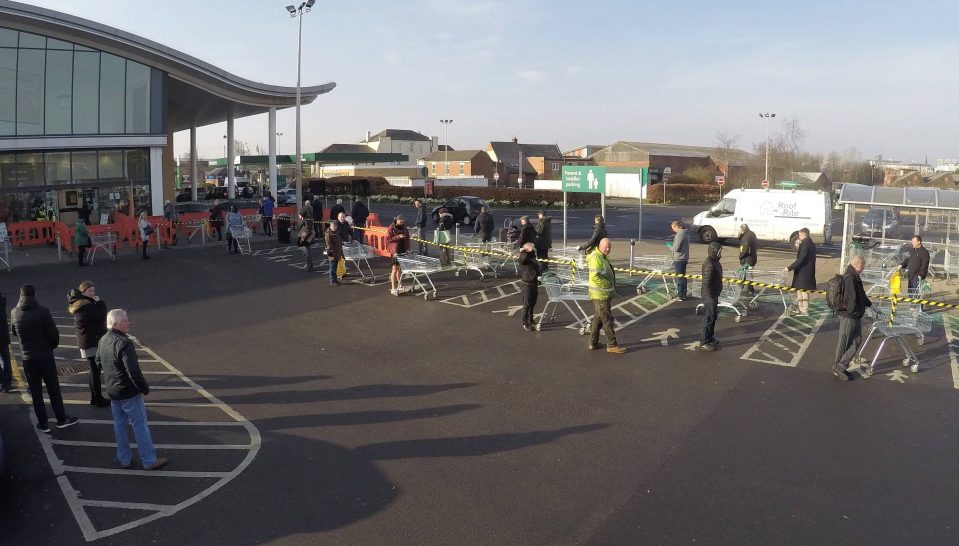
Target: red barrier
[[66, 235], [373, 219], [38, 232], [376, 238]]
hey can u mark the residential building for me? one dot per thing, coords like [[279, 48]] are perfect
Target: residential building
[[539, 162], [460, 163], [731, 163], [412, 144]]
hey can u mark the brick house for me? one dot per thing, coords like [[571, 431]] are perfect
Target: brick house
[[731, 163], [460, 163], [540, 162]]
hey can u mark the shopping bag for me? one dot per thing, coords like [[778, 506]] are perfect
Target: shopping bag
[[441, 237], [341, 267], [895, 284]]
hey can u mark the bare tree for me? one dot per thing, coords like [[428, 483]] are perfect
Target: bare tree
[[727, 143]]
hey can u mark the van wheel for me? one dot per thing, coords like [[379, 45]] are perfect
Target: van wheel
[[794, 241], [707, 235]]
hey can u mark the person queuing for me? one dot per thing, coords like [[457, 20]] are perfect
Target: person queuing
[[527, 234], [146, 229], [484, 225], [334, 251], [234, 225], [854, 303], [544, 237], [33, 325], [419, 222], [216, 219], [90, 321], [344, 228], [916, 264], [680, 258], [398, 242], [81, 238], [6, 365], [266, 214], [747, 250], [172, 216], [599, 233], [126, 387], [336, 209], [529, 272], [712, 287], [602, 289], [359, 213], [444, 225], [804, 271], [305, 235]]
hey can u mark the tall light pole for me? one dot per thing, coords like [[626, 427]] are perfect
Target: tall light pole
[[767, 115], [279, 144], [298, 12], [446, 123]]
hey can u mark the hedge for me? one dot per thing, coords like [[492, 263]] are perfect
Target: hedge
[[679, 193]]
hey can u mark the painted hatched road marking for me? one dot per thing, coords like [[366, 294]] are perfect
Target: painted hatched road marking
[[486, 295], [145, 512], [636, 308], [777, 347]]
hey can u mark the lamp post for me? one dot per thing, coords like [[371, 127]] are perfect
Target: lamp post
[[298, 12], [279, 144], [446, 123], [767, 115]]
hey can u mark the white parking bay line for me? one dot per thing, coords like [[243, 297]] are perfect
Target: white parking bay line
[[786, 341], [951, 324], [151, 473], [486, 295], [133, 445]]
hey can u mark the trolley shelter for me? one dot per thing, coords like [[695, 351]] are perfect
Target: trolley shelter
[[879, 221]]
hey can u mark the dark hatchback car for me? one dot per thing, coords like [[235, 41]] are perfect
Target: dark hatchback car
[[464, 209]]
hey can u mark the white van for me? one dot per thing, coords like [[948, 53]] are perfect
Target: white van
[[773, 215]]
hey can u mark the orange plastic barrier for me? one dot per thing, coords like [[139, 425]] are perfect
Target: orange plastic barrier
[[373, 219], [39, 232], [376, 238], [66, 235]]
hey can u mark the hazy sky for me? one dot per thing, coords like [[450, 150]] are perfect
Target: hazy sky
[[879, 76]]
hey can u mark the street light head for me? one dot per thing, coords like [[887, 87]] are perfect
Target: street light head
[[309, 3], [291, 9], [773, 115]]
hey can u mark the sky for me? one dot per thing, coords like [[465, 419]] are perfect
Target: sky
[[880, 77]]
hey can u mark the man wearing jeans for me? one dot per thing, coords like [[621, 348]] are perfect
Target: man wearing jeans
[[126, 387], [680, 258], [602, 289]]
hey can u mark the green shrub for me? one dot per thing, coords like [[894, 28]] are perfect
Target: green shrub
[[681, 193]]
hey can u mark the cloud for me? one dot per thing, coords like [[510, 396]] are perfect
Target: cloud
[[532, 76]]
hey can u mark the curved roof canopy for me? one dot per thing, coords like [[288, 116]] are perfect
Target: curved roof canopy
[[196, 90]]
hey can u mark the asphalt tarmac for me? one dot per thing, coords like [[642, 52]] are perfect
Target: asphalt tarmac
[[298, 413]]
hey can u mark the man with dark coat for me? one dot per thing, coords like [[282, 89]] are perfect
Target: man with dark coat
[[544, 237], [484, 225], [854, 303], [336, 209], [6, 367], [126, 387], [419, 222], [599, 233], [804, 271], [527, 234], [680, 257], [747, 250], [90, 319], [397, 243], [334, 250], [359, 213], [916, 263], [39, 336], [712, 286], [529, 272]]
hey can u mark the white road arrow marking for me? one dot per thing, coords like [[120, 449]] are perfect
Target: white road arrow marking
[[694, 346], [664, 336], [511, 310], [897, 375]]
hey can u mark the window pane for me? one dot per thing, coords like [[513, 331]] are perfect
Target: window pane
[[86, 80], [111, 164], [112, 82], [26, 171], [138, 165], [138, 98], [8, 91], [30, 92], [58, 167], [8, 38], [84, 165], [59, 92], [32, 40], [58, 44]]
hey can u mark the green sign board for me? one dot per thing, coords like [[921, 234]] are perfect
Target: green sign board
[[787, 184], [584, 179]]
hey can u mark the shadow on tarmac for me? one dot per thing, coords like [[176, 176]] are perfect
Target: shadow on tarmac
[[362, 417], [349, 393]]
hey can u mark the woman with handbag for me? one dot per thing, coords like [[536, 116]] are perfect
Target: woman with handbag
[[81, 238], [305, 236], [146, 229], [334, 252], [441, 236]]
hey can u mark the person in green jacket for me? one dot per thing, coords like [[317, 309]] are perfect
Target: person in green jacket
[[602, 288], [81, 238]]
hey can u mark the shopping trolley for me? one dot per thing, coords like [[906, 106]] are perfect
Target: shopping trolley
[[473, 257], [767, 276], [654, 266], [356, 253], [418, 269], [106, 241], [730, 297], [908, 320], [567, 294], [877, 278], [241, 234]]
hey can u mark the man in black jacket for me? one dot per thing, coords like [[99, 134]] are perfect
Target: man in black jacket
[[854, 303], [39, 336], [90, 319], [117, 355], [359, 213], [544, 237], [747, 250], [484, 225], [529, 272], [712, 286], [527, 234], [6, 367], [419, 222], [599, 233], [336, 209], [916, 263]]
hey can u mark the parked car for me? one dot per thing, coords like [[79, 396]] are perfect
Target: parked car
[[286, 197], [218, 192], [464, 209], [880, 222], [185, 195]]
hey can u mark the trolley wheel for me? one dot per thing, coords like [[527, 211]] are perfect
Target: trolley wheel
[[699, 310], [457, 274], [641, 290], [754, 305], [738, 318], [921, 340], [865, 372], [906, 361], [582, 330], [538, 327], [859, 361], [914, 368]]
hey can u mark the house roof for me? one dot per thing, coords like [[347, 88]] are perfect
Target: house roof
[[461, 155], [736, 157], [505, 151], [347, 149], [400, 134]]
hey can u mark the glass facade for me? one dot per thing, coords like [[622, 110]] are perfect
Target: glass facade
[[51, 87]]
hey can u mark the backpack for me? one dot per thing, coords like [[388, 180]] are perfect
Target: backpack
[[512, 234], [834, 293]]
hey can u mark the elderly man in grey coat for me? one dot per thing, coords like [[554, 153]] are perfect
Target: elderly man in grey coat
[[680, 258]]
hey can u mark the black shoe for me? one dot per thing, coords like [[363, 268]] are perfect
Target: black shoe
[[709, 347], [527, 327], [43, 428], [69, 422], [841, 374]]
